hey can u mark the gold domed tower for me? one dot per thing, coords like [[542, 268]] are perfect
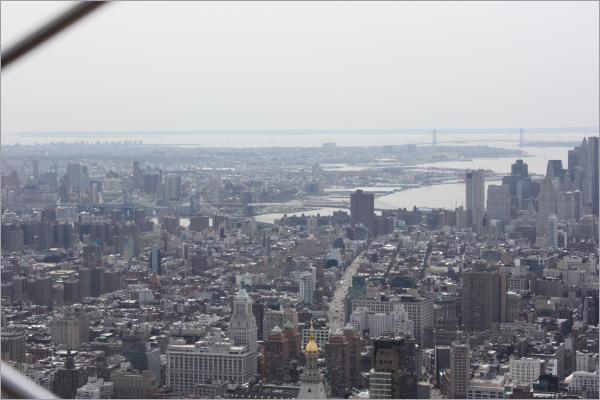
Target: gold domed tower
[[311, 380], [311, 347]]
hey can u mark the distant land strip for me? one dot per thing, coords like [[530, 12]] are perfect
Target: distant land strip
[[578, 130]]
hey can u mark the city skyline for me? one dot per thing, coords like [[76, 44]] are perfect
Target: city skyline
[[427, 227]]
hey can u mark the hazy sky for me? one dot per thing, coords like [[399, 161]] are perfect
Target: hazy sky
[[305, 65]]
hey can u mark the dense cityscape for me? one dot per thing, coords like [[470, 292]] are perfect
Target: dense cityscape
[[146, 271]]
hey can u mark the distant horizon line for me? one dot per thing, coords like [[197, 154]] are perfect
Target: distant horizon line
[[578, 129]]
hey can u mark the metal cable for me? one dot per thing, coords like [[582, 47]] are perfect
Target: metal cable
[[48, 30], [16, 385]]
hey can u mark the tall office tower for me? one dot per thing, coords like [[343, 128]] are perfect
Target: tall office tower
[[475, 185], [70, 328], [85, 282], [307, 287], [156, 260], [137, 175], [555, 169], [552, 232], [569, 205], [311, 380], [519, 169], [459, 370], [498, 202], [294, 339], [590, 310], [96, 188], [483, 299], [68, 379], [514, 306], [397, 356], [134, 351], [420, 312], [577, 162], [546, 204], [362, 209], [277, 357], [150, 181], [243, 324], [173, 183], [71, 291], [36, 173], [342, 355], [591, 180], [98, 282], [42, 291], [446, 311], [78, 176], [12, 344]]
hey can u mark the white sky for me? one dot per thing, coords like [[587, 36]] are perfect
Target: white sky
[[305, 65]]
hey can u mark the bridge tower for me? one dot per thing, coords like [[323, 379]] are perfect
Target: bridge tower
[[127, 205], [434, 142], [521, 137]]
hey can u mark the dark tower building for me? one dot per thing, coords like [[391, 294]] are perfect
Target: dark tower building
[[277, 357], [342, 354], [68, 379], [362, 209], [520, 169], [397, 356], [483, 301], [134, 350]]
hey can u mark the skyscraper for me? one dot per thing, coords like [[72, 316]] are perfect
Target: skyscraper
[[78, 176], [519, 169], [36, 173], [243, 324], [397, 356], [137, 175], [68, 379], [362, 209], [173, 183], [546, 204], [71, 328], [498, 202], [342, 354], [156, 260], [592, 171], [307, 287], [483, 299], [459, 370], [475, 185], [277, 357]]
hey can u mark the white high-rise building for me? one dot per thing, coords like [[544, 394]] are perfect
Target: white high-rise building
[[307, 287], [70, 328], [587, 362], [552, 232], [397, 321], [243, 324], [525, 371], [459, 366], [203, 362]]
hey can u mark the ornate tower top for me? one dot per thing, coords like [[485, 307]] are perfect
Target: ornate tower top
[[311, 346]]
